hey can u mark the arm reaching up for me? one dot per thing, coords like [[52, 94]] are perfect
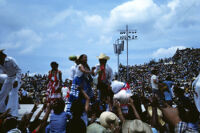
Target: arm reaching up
[[137, 116], [119, 111], [44, 120]]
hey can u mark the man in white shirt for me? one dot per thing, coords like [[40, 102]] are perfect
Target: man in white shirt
[[65, 91], [10, 85], [73, 68], [154, 82], [105, 76]]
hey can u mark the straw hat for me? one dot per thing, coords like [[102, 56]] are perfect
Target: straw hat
[[103, 56], [96, 128], [159, 115], [135, 126], [108, 117]]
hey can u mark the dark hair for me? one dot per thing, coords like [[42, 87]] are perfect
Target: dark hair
[[9, 123], [154, 71], [2, 55], [178, 91], [83, 63], [76, 126], [188, 113], [80, 58], [54, 63], [58, 106], [77, 108]]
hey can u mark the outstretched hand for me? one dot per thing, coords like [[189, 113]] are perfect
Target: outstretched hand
[[116, 104], [5, 114], [44, 106], [35, 107], [8, 111], [131, 101]]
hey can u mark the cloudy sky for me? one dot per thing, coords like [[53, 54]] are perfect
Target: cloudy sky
[[36, 32]]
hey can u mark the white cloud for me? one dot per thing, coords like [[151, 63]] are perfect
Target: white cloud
[[62, 17], [104, 40], [90, 40], [133, 12], [179, 13], [56, 35], [137, 12], [173, 4], [9, 45], [146, 15], [93, 20], [25, 39], [59, 17], [166, 52]]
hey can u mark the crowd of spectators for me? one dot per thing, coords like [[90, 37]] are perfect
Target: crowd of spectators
[[33, 88], [146, 113], [183, 68]]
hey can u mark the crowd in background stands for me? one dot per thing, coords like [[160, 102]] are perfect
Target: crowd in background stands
[[33, 88], [183, 67]]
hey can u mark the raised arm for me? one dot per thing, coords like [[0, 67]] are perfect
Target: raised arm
[[44, 120], [35, 107], [137, 116], [5, 114], [84, 70], [40, 112], [119, 111]]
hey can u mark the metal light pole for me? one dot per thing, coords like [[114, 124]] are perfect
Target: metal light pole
[[127, 34], [118, 48], [127, 74]]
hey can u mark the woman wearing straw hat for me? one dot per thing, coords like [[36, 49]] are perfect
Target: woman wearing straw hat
[[105, 76], [79, 82], [82, 71]]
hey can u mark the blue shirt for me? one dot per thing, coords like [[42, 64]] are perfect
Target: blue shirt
[[168, 97], [169, 86], [58, 122]]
